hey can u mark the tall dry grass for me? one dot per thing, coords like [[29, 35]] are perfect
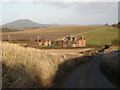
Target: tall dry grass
[[29, 67]]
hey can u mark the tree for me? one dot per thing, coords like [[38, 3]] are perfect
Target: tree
[[113, 25], [106, 24], [118, 22], [118, 25]]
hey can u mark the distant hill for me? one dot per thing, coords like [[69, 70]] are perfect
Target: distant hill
[[26, 23]]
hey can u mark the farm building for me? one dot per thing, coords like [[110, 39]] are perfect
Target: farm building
[[69, 41], [45, 43]]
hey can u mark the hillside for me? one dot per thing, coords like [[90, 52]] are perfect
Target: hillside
[[50, 33], [26, 23], [100, 36]]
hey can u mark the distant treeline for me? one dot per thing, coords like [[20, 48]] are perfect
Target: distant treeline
[[4, 29], [9, 30]]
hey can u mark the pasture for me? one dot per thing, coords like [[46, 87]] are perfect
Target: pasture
[[100, 36], [51, 33]]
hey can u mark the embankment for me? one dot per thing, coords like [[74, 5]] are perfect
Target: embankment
[[33, 68], [110, 67]]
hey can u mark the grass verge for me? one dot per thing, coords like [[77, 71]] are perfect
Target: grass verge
[[110, 67], [33, 68]]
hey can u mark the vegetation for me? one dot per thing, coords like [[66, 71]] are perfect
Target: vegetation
[[110, 67], [95, 35], [116, 25], [100, 36], [115, 42], [9, 30], [49, 46], [30, 68], [50, 33]]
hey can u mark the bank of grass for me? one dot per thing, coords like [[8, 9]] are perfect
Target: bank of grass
[[33, 68], [110, 67], [100, 36]]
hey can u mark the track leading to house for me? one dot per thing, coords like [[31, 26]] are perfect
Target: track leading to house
[[88, 76]]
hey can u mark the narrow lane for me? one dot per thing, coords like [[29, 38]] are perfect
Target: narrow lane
[[88, 76]]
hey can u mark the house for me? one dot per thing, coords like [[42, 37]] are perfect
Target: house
[[44, 43], [69, 41]]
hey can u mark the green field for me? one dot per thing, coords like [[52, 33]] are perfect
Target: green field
[[95, 35], [51, 33], [100, 36]]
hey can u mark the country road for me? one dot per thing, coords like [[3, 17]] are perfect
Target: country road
[[88, 76]]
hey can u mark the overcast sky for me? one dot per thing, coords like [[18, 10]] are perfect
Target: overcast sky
[[64, 12]]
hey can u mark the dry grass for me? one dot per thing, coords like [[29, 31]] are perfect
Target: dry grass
[[49, 33], [29, 67]]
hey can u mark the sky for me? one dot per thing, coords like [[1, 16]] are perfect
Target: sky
[[60, 12]]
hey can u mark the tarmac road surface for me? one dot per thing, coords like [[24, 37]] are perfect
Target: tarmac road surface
[[88, 76]]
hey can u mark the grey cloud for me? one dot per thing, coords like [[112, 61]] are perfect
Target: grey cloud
[[89, 8], [93, 12], [96, 8]]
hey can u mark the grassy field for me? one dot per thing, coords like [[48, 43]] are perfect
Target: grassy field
[[94, 35], [30, 68], [51, 33], [100, 36]]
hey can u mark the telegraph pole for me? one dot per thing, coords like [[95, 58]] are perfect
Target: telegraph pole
[[38, 38], [9, 37]]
